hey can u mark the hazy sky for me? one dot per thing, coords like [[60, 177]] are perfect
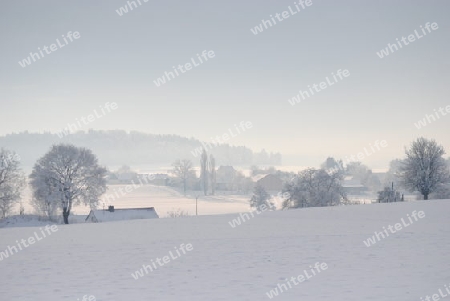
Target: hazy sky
[[251, 77]]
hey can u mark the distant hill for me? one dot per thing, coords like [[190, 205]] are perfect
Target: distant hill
[[117, 147]]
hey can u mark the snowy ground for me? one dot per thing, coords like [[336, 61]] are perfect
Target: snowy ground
[[163, 199], [241, 263], [22, 221]]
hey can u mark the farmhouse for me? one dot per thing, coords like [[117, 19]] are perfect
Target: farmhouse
[[112, 215], [353, 186], [269, 182], [225, 177]]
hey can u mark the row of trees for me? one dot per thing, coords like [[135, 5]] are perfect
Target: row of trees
[[69, 175], [184, 172], [309, 188], [424, 170]]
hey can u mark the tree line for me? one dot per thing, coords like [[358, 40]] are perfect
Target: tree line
[[68, 175], [423, 170], [133, 147]]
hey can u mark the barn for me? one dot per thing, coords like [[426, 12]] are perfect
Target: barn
[[111, 214], [269, 182]]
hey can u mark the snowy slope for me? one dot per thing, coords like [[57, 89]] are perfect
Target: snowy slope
[[241, 263]]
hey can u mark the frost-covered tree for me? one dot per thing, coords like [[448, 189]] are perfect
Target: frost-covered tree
[[424, 168], [314, 188], [204, 171], [184, 171], [46, 198], [12, 181], [442, 191], [392, 175], [68, 175], [260, 197]]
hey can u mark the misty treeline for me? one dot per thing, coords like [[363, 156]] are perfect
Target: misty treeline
[[423, 171], [185, 176], [118, 147], [323, 187], [67, 175]]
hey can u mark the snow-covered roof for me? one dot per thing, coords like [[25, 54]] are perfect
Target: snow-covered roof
[[351, 182], [258, 177], [121, 214]]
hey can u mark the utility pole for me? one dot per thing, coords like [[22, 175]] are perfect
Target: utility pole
[[393, 193]]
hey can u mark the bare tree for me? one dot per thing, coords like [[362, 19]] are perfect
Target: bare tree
[[424, 168], [183, 170], [12, 181], [68, 175], [204, 171]]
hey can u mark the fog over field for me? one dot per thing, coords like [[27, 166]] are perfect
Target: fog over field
[[224, 150]]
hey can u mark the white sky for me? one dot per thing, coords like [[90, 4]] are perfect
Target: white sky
[[251, 77]]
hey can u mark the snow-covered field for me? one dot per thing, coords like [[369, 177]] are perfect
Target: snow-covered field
[[241, 263], [163, 199]]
